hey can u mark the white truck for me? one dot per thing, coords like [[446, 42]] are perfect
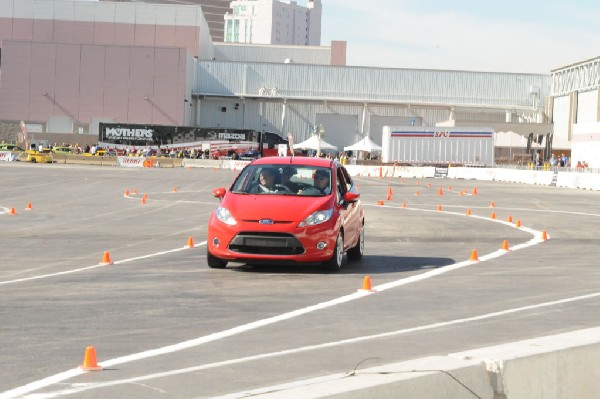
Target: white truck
[[419, 145]]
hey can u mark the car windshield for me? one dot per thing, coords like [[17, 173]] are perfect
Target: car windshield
[[277, 179]]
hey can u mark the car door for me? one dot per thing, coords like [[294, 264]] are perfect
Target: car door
[[348, 211]]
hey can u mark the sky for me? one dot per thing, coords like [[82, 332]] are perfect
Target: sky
[[526, 36]]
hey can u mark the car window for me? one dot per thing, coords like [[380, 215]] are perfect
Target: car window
[[282, 179]]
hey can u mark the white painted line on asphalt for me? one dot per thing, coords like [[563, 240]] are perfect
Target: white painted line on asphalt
[[42, 276], [80, 387], [286, 316]]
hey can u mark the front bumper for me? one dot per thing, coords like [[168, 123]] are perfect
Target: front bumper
[[285, 242]]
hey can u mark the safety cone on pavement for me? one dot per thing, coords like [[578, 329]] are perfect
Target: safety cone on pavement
[[389, 194], [417, 193], [475, 192], [492, 204], [403, 204], [474, 255], [89, 360], [439, 208], [144, 199], [518, 223], [493, 215], [135, 191], [126, 195], [28, 207], [190, 242], [380, 202], [106, 259], [544, 235], [440, 191], [505, 245], [509, 220], [468, 212], [174, 189], [13, 211], [367, 284]]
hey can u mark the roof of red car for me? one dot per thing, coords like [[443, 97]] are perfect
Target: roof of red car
[[310, 161]]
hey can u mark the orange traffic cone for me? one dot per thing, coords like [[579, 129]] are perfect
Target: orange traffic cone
[[367, 284], [518, 223], [417, 193], [174, 189], [493, 215], [474, 255], [475, 192], [28, 208], [403, 204], [544, 235], [135, 191], [468, 212], [89, 360], [505, 245], [190, 243], [126, 195], [509, 220], [13, 211], [106, 259], [440, 191], [144, 199], [389, 195], [379, 202], [492, 205], [439, 208]]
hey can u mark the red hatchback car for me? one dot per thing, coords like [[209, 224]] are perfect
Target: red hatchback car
[[287, 210]]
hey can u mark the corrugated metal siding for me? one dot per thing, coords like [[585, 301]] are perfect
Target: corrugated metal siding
[[372, 84], [276, 54]]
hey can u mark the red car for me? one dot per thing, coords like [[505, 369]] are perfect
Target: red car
[[287, 210]]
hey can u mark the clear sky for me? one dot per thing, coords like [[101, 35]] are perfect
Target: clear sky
[[527, 36]]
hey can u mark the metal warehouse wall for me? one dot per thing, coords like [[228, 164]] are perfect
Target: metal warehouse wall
[[372, 84], [278, 54], [300, 116]]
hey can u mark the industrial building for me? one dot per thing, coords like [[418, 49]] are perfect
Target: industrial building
[[69, 65]]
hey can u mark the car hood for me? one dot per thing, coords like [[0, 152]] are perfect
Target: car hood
[[278, 208]]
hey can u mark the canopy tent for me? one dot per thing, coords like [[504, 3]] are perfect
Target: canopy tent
[[313, 144], [366, 144]]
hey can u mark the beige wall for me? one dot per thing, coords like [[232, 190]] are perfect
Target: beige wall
[[126, 83]]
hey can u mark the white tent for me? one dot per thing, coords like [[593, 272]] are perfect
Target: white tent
[[366, 144], [313, 144]]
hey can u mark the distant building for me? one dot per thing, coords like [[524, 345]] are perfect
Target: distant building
[[213, 11], [274, 22]]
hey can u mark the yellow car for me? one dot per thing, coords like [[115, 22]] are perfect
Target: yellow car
[[45, 156]]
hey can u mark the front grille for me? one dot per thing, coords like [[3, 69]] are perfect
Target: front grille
[[259, 243]]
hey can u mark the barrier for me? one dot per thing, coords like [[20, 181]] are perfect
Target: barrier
[[556, 366]]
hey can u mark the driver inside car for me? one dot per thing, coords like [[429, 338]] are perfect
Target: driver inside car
[[267, 181]]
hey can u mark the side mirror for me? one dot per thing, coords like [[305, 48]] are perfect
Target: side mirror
[[219, 192], [350, 197]]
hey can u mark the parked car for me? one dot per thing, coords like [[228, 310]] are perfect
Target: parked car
[[11, 147], [63, 150], [287, 210]]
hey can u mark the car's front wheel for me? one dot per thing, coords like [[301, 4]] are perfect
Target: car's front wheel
[[356, 252], [335, 263], [214, 262]]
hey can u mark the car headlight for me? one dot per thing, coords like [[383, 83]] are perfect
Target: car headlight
[[224, 216], [317, 217]]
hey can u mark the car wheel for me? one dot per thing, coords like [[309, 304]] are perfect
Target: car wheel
[[335, 263], [356, 252], [214, 262]]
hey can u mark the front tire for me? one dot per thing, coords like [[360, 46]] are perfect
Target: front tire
[[335, 263], [356, 252], [214, 262]]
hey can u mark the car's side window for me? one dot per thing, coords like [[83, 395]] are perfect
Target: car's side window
[[340, 185], [347, 179]]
